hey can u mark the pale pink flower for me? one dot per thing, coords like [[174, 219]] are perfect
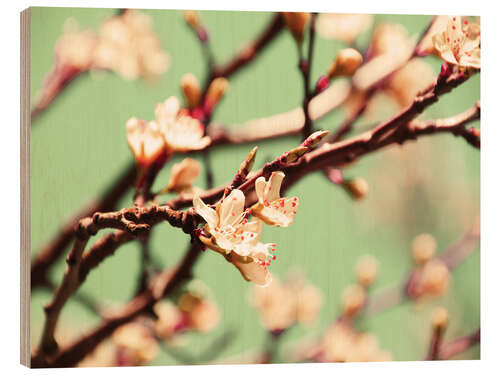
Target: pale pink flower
[[232, 235], [183, 175], [272, 209], [344, 27], [181, 132], [145, 141], [459, 44]]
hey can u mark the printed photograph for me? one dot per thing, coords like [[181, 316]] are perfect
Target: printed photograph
[[230, 187]]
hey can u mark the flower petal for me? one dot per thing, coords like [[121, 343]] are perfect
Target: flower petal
[[273, 186], [207, 213], [260, 187], [279, 213], [231, 209], [254, 272]]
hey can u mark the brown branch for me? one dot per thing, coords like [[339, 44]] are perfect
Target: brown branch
[[248, 54], [460, 345], [59, 79], [453, 256], [133, 221], [163, 286], [437, 336], [51, 252], [391, 132]]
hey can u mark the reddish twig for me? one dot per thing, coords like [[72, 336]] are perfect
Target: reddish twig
[[49, 254], [250, 51], [163, 286], [453, 256], [460, 345], [134, 221]]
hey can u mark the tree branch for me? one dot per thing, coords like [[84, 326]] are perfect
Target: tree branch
[[460, 345], [453, 256]]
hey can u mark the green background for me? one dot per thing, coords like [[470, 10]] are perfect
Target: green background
[[78, 146]]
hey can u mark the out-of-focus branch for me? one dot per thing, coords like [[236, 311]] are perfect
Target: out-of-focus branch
[[252, 49], [390, 132], [49, 254], [60, 78], [460, 345], [134, 221], [163, 285], [452, 257], [210, 354]]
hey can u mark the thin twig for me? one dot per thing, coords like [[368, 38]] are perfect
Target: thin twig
[[453, 256], [460, 345]]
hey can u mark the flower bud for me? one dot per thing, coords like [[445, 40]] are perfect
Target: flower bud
[[314, 139], [353, 299], [296, 23], [423, 248], [357, 188], [366, 270], [247, 164], [192, 19], [440, 318], [145, 141], [345, 65], [183, 175], [293, 155], [204, 316], [191, 90], [435, 277], [215, 92]]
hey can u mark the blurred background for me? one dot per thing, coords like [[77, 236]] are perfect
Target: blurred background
[[78, 147]]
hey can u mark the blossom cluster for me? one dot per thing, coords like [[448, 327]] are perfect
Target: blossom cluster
[[173, 130], [229, 231], [284, 303], [125, 44]]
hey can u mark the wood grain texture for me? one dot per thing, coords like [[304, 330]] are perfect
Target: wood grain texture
[[25, 187]]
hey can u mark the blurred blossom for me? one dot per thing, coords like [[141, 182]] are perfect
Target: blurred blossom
[[283, 304], [76, 49], [389, 49], [357, 187], [296, 23], [270, 208], [169, 319], [411, 79], [353, 299], [125, 44], [191, 90], [440, 318], [202, 314], [192, 312], [342, 343], [180, 131], [346, 63], [128, 46], [232, 235], [459, 44], [183, 175], [102, 356], [366, 270], [430, 280], [344, 27], [135, 344], [423, 247]]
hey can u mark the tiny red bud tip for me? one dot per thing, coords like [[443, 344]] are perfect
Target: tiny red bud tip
[[322, 84]]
